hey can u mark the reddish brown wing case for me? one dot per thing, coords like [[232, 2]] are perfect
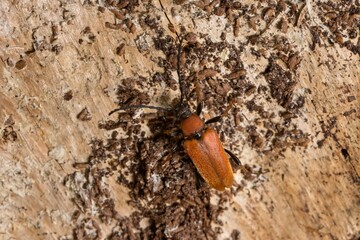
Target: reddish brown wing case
[[210, 159]]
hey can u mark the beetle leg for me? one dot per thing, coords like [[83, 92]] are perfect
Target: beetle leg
[[173, 132], [237, 161], [214, 119], [178, 144], [218, 118], [199, 108], [199, 180], [235, 158]]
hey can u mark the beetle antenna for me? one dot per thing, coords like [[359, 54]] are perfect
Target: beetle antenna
[[138, 106], [172, 28], [181, 82]]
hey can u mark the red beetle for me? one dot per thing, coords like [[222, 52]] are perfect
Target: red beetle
[[203, 146], [201, 143]]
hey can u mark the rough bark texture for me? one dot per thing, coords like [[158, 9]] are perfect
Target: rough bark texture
[[70, 171]]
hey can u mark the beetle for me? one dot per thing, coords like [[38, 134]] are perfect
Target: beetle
[[201, 143], [206, 151]]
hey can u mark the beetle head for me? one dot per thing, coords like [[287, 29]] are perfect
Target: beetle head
[[183, 111]]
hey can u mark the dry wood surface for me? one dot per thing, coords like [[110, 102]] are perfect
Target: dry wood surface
[[68, 170]]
